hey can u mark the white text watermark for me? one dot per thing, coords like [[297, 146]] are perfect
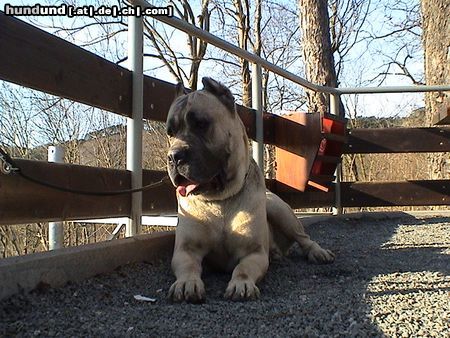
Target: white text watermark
[[88, 10]]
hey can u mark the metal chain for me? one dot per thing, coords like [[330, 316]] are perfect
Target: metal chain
[[8, 166]]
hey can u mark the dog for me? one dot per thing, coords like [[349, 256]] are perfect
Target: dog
[[225, 215]]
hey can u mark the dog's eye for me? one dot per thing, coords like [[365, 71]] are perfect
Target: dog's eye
[[197, 121], [171, 128], [169, 131], [202, 124]]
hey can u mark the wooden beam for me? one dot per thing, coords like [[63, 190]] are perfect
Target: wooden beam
[[298, 139], [371, 194], [442, 116], [398, 140], [23, 201], [308, 199], [42, 61], [406, 193], [36, 59]]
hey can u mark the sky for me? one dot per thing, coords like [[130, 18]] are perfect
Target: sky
[[365, 64]]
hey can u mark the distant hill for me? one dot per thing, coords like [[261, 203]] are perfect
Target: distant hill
[[415, 119]]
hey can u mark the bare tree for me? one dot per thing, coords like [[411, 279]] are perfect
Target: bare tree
[[402, 32], [16, 121], [281, 46], [347, 19], [317, 51], [242, 16], [436, 41], [172, 59]]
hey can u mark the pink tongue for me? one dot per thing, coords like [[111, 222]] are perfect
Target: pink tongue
[[185, 190]]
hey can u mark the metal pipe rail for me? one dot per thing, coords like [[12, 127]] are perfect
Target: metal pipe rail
[[134, 123], [229, 47], [259, 62], [225, 45]]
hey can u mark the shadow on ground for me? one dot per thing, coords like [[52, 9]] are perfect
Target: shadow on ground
[[382, 265]]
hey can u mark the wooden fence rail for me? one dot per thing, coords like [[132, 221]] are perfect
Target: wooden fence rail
[[22, 201]]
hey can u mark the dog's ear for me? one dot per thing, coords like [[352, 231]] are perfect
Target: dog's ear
[[220, 91], [180, 90]]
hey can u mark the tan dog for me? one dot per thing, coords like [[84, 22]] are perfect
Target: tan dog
[[225, 214]]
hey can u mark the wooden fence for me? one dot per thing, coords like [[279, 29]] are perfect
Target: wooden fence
[[33, 58]]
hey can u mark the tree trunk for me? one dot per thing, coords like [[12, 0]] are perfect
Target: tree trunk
[[242, 8], [316, 50], [197, 46], [436, 43]]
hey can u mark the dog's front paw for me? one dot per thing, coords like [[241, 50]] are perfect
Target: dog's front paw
[[191, 291], [317, 255], [241, 289]]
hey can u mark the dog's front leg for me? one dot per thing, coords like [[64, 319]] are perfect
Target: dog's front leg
[[246, 274], [187, 267]]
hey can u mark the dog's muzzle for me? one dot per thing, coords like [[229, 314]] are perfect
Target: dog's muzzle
[[177, 161]]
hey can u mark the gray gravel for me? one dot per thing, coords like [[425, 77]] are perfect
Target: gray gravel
[[391, 278]]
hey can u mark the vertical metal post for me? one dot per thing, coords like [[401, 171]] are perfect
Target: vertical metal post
[[337, 209], [258, 145], [135, 124], [334, 109], [55, 229]]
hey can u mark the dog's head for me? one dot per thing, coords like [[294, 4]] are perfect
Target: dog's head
[[207, 140]]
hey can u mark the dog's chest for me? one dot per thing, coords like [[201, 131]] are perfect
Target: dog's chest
[[230, 229], [227, 219], [231, 239], [233, 235]]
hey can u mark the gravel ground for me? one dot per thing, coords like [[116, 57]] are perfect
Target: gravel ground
[[391, 278]]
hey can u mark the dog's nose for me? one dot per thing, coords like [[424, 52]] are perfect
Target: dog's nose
[[177, 156]]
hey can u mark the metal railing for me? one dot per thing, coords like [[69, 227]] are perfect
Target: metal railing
[[135, 123], [225, 45]]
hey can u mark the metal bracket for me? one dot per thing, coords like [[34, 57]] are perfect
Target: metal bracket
[[6, 167], [115, 234]]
